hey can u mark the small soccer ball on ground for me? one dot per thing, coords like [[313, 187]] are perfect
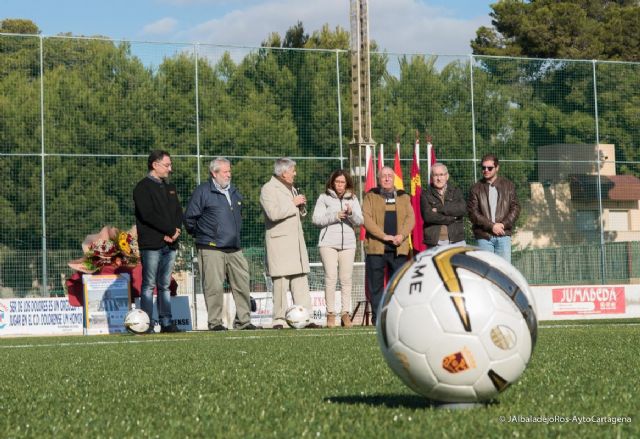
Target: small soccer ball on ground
[[137, 321], [457, 324], [297, 317]]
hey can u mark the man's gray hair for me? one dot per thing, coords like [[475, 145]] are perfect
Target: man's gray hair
[[282, 165], [439, 165], [388, 168], [215, 164]]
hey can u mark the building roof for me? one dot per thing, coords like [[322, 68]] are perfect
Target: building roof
[[614, 187]]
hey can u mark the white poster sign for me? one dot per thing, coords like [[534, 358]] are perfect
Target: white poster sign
[[106, 302]]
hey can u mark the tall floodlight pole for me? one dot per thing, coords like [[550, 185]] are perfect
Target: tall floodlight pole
[[360, 94]]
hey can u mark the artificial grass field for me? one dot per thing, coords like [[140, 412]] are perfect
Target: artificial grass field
[[307, 383]]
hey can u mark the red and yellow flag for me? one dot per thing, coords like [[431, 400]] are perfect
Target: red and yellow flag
[[369, 181], [397, 181], [416, 192]]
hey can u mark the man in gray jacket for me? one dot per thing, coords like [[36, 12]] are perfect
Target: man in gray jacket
[[214, 218]]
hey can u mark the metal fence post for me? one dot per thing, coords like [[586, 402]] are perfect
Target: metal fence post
[[197, 103], [339, 108], [473, 120], [603, 257], [43, 197]]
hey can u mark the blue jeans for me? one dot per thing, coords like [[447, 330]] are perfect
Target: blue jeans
[[500, 245], [157, 266]]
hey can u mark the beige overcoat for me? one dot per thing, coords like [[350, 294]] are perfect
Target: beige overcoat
[[284, 239]]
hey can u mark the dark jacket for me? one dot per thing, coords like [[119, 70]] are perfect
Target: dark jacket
[[450, 213], [158, 213], [211, 220], [507, 208]]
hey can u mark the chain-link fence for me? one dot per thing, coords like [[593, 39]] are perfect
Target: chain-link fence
[[78, 117]]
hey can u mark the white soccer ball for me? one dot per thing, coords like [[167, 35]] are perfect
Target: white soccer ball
[[457, 324], [137, 321], [297, 317]]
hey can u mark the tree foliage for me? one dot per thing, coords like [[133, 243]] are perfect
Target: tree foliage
[[571, 29]]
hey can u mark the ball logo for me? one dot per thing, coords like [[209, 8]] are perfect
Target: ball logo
[[503, 337], [459, 361]]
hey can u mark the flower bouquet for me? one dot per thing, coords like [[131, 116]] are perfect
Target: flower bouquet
[[109, 247]]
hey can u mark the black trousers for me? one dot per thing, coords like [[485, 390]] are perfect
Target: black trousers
[[375, 271]]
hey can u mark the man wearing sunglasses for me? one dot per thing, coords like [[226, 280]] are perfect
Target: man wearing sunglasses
[[493, 209]]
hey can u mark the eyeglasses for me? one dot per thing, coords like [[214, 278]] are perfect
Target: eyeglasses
[[487, 168], [166, 165]]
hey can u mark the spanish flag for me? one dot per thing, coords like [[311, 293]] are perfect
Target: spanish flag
[[415, 193], [369, 181], [397, 181]]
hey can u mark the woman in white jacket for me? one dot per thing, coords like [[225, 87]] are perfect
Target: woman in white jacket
[[337, 212]]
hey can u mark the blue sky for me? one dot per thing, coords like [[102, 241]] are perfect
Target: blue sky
[[400, 26]]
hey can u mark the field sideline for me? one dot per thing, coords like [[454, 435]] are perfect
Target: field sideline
[[581, 382]]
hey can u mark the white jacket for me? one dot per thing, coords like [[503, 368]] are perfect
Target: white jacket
[[337, 233]]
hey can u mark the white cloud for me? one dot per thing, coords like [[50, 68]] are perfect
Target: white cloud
[[408, 26], [400, 26], [163, 26], [252, 25]]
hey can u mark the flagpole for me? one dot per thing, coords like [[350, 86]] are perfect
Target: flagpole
[[415, 192], [429, 148]]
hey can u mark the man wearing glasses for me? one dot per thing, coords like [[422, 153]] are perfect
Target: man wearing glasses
[[493, 209], [158, 220]]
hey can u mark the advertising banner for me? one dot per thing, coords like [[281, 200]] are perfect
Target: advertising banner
[[180, 312], [576, 302], [39, 316], [601, 299], [263, 315]]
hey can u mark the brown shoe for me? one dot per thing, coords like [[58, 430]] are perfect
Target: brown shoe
[[331, 320], [346, 320]]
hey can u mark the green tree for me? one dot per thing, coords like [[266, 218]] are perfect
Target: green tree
[[573, 29], [19, 26]]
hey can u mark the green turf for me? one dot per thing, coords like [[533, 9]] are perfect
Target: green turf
[[310, 383]]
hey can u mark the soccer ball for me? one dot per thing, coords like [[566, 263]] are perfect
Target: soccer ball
[[297, 317], [457, 324], [137, 321]]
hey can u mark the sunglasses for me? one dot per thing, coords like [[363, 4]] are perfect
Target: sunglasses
[[487, 168]]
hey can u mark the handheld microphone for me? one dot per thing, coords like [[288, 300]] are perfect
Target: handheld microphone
[[302, 207]]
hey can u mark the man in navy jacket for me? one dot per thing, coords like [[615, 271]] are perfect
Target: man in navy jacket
[[214, 218]]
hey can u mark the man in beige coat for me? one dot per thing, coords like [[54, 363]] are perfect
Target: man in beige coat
[[287, 258]]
